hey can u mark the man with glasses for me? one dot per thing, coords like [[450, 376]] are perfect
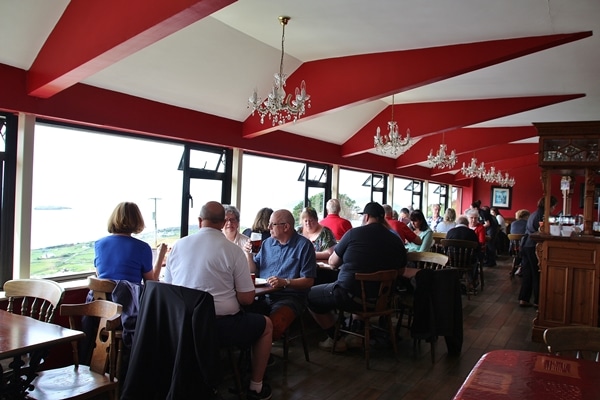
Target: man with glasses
[[287, 260]]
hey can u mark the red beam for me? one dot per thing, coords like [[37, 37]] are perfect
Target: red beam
[[94, 34], [346, 81]]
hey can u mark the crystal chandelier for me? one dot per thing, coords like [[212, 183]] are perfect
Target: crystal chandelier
[[473, 170], [279, 107], [492, 176], [441, 159], [392, 143]]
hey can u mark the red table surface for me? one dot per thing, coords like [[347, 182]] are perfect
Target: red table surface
[[513, 374]]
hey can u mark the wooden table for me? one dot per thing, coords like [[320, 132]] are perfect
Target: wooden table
[[261, 290], [21, 335], [514, 374]]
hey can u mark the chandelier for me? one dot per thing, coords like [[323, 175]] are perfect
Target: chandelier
[[279, 107], [473, 170], [392, 142], [441, 159], [492, 176]]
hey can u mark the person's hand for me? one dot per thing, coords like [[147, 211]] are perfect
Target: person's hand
[[276, 282], [162, 249], [248, 247]]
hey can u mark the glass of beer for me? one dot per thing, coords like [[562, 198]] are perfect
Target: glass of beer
[[256, 241]]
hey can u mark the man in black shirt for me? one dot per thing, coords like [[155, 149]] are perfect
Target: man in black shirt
[[369, 248]]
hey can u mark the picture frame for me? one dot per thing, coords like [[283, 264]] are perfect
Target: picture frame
[[582, 195], [501, 197]]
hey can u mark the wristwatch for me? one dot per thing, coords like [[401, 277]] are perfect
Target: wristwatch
[[287, 283]]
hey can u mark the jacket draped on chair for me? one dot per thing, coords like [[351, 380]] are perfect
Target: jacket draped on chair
[[175, 351], [438, 307]]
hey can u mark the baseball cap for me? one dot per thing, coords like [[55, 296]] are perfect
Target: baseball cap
[[374, 209]]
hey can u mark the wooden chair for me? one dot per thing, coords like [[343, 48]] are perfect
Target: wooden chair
[[437, 242], [462, 255], [39, 297], [102, 288], [580, 341], [78, 381], [403, 301], [427, 260], [514, 249], [379, 306], [294, 331]]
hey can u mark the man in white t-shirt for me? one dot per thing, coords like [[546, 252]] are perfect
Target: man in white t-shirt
[[208, 261]]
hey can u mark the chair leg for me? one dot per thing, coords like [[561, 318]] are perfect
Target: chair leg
[[367, 334], [304, 341], [337, 329], [237, 376], [287, 337], [392, 335]]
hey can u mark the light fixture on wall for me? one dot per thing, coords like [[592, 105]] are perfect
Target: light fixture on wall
[[392, 142], [441, 159], [279, 107]]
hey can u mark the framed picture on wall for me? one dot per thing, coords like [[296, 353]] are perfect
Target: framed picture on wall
[[582, 195], [501, 197]]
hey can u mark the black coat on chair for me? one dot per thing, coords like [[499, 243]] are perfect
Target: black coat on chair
[[175, 351]]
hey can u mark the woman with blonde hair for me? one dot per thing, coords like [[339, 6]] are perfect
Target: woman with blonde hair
[[448, 223], [120, 256]]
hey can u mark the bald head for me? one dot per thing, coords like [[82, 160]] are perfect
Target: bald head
[[281, 226], [212, 215]]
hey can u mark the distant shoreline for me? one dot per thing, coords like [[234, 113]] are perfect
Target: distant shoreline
[[51, 208]]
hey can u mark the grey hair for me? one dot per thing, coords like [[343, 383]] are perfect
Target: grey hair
[[229, 209]]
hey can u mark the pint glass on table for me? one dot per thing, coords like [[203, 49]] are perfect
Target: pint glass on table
[[256, 241]]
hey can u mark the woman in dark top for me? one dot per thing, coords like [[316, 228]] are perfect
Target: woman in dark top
[[530, 268], [261, 223]]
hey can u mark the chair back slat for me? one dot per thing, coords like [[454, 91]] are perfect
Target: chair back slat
[[461, 254], [39, 298], [427, 260], [102, 288], [580, 341], [386, 279]]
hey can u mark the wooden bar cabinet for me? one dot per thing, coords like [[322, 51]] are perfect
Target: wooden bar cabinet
[[569, 266]]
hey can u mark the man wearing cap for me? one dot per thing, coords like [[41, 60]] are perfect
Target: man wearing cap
[[368, 248]]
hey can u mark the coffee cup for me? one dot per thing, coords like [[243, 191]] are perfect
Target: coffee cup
[[256, 241]]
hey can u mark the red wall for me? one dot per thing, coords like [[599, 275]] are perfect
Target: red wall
[[528, 190]]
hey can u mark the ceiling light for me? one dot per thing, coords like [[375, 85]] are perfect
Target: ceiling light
[[279, 107], [392, 142], [441, 159]]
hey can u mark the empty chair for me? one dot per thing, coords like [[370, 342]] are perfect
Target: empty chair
[[379, 306], [580, 341], [404, 299], [427, 260], [438, 309], [462, 255], [79, 381], [39, 297], [437, 242]]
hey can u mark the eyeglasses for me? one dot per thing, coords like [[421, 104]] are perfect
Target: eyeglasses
[[232, 220], [276, 223]]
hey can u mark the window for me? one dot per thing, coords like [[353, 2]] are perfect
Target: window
[[355, 193], [269, 182], [79, 176]]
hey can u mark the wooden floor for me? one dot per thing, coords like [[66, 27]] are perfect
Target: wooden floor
[[492, 320]]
